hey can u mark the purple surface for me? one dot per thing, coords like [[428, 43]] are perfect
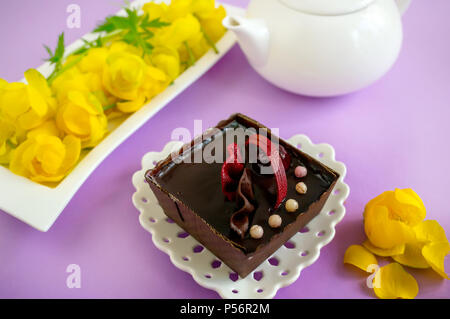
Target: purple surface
[[393, 134]]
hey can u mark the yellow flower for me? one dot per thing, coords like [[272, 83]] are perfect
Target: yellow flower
[[178, 9], [124, 75], [179, 31], [28, 105], [45, 158], [75, 80], [94, 60], [166, 59], [392, 282], [210, 18], [129, 78], [390, 217], [82, 116], [156, 10], [394, 223], [10, 137], [197, 44], [360, 257]]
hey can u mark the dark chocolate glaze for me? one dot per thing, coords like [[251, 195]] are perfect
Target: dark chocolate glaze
[[198, 185]]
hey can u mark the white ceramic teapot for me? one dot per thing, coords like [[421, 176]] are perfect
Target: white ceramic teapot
[[320, 47]]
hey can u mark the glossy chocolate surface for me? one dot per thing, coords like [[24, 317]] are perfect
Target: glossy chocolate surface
[[198, 186]]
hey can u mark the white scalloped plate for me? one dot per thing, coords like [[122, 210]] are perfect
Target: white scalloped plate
[[280, 270], [38, 205]]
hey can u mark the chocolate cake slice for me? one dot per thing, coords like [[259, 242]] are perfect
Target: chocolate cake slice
[[223, 188]]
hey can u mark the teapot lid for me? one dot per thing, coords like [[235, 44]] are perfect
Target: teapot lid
[[327, 7]]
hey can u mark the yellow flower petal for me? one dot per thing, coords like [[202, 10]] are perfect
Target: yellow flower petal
[[73, 149], [37, 80], [430, 231], [396, 250], [14, 100], [360, 257], [394, 282], [37, 102], [131, 106], [75, 119], [434, 254], [155, 10], [408, 207], [50, 153], [94, 60], [98, 130], [47, 128], [3, 83], [412, 256], [17, 164], [83, 101]]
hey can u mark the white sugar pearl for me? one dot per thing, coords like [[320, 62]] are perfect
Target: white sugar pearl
[[256, 232], [291, 205], [301, 188], [275, 221]]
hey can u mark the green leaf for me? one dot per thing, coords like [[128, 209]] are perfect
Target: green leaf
[[132, 28], [60, 48], [106, 26], [49, 51], [155, 23], [97, 43], [57, 56]]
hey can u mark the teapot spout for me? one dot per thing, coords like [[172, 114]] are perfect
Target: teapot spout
[[253, 37]]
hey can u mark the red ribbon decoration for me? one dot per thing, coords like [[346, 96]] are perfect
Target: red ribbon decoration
[[275, 161], [233, 167], [231, 171]]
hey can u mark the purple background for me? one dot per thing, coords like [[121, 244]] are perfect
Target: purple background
[[392, 134]]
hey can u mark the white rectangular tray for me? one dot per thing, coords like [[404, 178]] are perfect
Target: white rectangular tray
[[38, 205]]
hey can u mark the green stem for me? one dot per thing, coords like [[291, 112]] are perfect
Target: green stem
[[110, 36], [58, 70], [207, 38], [66, 67], [210, 41], [107, 107], [11, 144], [191, 60], [55, 70]]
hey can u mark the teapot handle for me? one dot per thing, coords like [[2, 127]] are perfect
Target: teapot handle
[[403, 5]]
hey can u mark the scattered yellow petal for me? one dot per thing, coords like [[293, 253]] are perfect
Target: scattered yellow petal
[[412, 256], [430, 231], [360, 257], [434, 254], [392, 282], [396, 250]]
